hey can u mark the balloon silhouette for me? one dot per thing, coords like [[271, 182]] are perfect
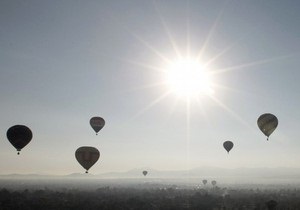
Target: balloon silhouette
[[87, 157], [97, 123], [204, 181], [19, 136], [145, 173], [267, 123], [213, 182], [228, 145]]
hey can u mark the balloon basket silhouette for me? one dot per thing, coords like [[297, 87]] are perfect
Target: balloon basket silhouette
[[18, 153], [86, 172]]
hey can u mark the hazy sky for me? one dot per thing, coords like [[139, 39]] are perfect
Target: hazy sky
[[62, 62]]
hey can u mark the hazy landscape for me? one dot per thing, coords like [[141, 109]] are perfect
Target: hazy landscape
[[246, 189], [242, 188]]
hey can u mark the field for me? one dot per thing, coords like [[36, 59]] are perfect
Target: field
[[133, 194]]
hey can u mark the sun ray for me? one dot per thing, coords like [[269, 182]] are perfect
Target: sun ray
[[188, 133], [145, 43], [144, 65], [167, 30], [254, 63], [206, 43], [210, 34], [142, 87], [188, 41], [228, 88], [159, 54], [225, 50], [172, 109], [232, 113], [204, 113], [154, 102]]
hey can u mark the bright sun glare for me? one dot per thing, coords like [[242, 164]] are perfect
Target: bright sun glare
[[188, 78]]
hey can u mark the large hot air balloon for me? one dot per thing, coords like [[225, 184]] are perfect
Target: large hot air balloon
[[213, 182], [97, 123], [145, 173], [19, 136], [267, 123], [228, 145], [87, 157], [204, 181]]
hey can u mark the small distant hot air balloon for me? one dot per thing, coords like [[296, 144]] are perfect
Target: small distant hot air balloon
[[204, 181], [19, 136], [87, 157], [213, 183], [267, 123], [97, 123], [228, 145], [145, 173]]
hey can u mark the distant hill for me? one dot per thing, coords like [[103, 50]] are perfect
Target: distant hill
[[289, 173], [227, 175]]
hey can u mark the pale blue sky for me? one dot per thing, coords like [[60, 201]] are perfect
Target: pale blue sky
[[62, 62]]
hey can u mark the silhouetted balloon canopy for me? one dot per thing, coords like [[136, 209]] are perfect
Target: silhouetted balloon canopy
[[87, 157], [213, 182], [19, 136], [97, 123], [145, 173], [228, 145], [204, 181], [267, 123]]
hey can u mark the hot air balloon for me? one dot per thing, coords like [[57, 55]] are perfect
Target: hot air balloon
[[19, 136], [228, 145], [267, 123], [145, 173], [213, 182], [97, 123], [204, 181], [87, 157]]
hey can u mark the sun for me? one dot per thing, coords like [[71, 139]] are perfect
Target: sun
[[188, 78]]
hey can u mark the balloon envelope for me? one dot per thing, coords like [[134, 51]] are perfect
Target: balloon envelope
[[97, 123], [145, 173], [204, 181], [228, 145], [87, 156], [213, 182], [19, 136], [267, 123]]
